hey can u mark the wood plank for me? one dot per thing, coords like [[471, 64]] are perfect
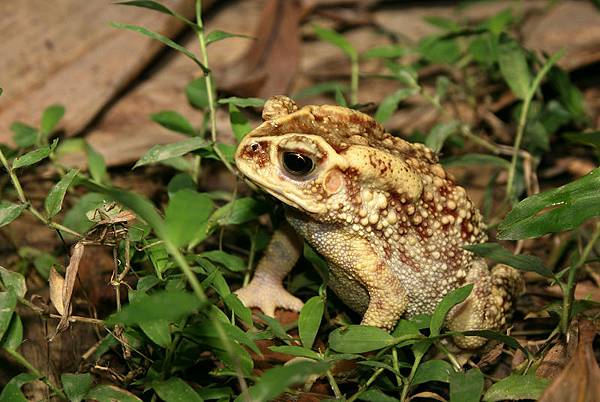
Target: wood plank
[[570, 25], [65, 52], [125, 131]]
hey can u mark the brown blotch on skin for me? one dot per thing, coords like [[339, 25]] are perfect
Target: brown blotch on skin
[[260, 156]]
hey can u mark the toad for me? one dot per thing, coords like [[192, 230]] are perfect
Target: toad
[[388, 219]]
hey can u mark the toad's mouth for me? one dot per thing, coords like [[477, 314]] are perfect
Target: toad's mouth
[[289, 198], [294, 201]]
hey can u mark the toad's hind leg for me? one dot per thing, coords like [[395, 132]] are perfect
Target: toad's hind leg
[[488, 305]]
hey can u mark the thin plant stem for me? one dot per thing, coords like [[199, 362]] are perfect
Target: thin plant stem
[[209, 90], [366, 385], [174, 251], [413, 370], [334, 386], [354, 75], [21, 194], [19, 358], [396, 366], [569, 294], [523, 120]]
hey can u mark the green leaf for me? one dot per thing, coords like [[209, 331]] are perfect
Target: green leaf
[[229, 261], [336, 40], [175, 390], [275, 381], [156, 6], [163, 305], [439, 50], [484, 49], [242, 102], [275, 327], [209, 393], [439, 133], [389, 104], [186, 213], [442, 22], [441, 87], [494, 335], [14, 334], [310, 320], [591, 138], [110, 393], [376, 395], [297, 351], [207, 329], [239, 122], [238, 308], [51, 117], [475, 159], [13, 281], [33, 157], [432, 370], [406, 327], [161, 152], [238, 211], [557, 210], [12, 390], [450, 300], [359, 339], [217, 35], [234, 355], [497, 253], [339, 98], [173, 121], [54, 200], [159, 257], [181, 181], [8, 302], [96, 164], [514, 68], [159, 332], [9, 212], [499, 22], [164, 40], [76, 385], [570, 96], [386, 52], [197, 94], [516, 387], [466, 387], [25, 135]]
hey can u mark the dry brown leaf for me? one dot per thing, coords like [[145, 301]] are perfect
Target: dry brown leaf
[[428, 395], [71, 274], [66, 52], [61, 290], [554, 362], [56, 286], [271, 62], [580, 379]]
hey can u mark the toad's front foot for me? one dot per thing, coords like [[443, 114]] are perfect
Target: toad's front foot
[[267, 296]]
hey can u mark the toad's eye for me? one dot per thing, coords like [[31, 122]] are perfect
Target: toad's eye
[[297, 164]]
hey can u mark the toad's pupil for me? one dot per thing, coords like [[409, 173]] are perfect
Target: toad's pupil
[[297, 164], [254, 146]]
